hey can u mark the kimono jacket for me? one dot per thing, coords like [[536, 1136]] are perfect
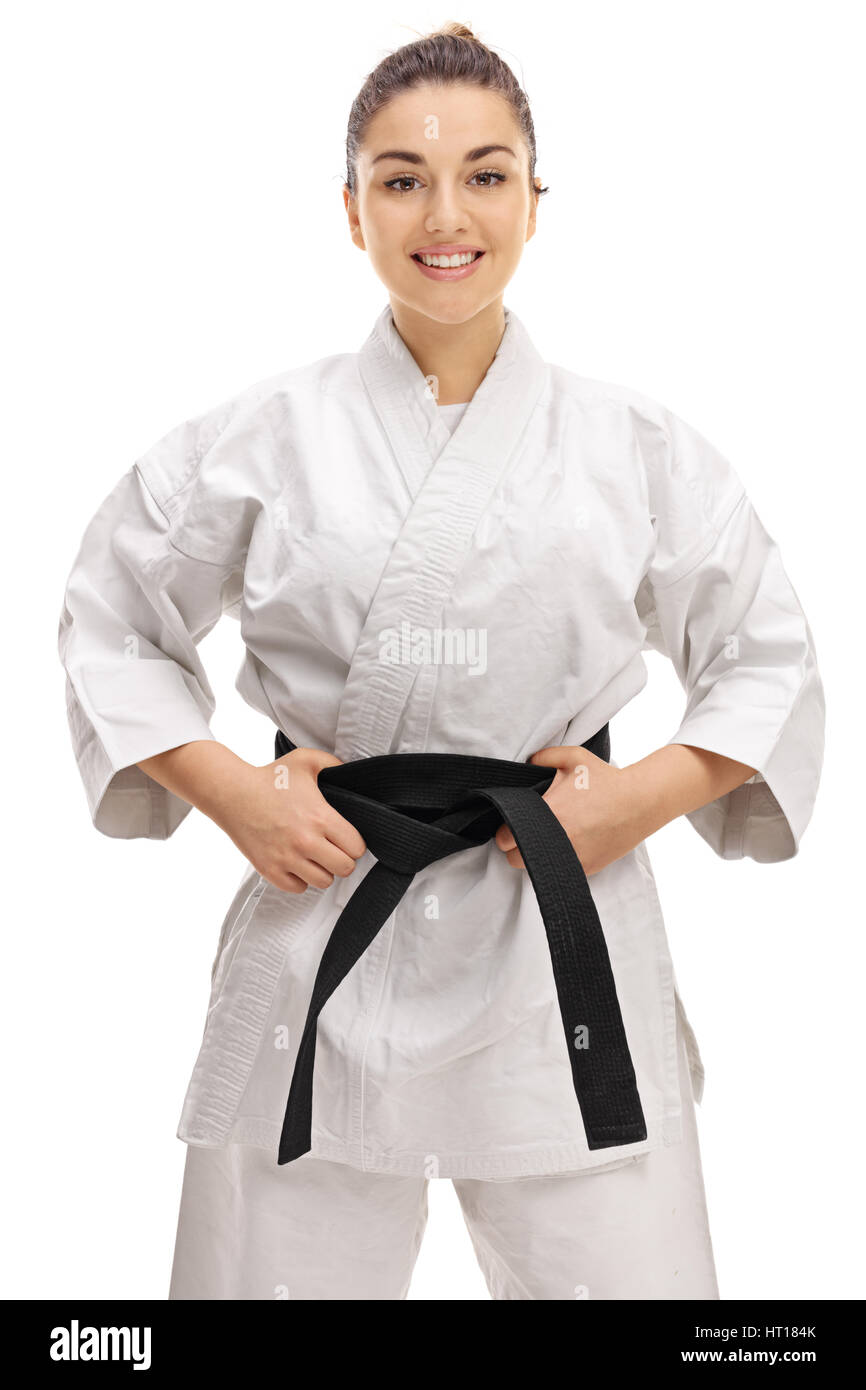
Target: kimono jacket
[[565, 527]]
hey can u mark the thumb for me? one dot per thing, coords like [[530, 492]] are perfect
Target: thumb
[[311, 760], [557, 756], [327, 760]]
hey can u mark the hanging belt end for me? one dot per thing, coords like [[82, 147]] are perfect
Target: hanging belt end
[[289, 1150]]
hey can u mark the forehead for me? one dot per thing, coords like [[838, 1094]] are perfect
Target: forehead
[[466, 116]]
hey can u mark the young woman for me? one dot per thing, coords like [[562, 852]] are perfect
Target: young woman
[[443, 546]]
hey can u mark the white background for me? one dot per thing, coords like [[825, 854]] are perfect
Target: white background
[[175, 232]]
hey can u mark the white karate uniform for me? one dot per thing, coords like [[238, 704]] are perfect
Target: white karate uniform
[[400, 588], [318, 1230]]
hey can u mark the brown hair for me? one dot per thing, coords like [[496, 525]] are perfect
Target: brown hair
[[451, 54]]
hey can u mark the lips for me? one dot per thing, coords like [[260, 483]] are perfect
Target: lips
[[450, 272], [440, 252]]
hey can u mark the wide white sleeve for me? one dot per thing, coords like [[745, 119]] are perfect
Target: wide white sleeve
[[718, 602], [134, 610]]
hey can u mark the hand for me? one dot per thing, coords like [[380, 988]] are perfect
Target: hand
[[282, 823], [594, 804]]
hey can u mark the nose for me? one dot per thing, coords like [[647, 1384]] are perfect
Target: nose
[[447, 213]]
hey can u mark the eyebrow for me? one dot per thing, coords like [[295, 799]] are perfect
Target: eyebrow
[[408, 157]]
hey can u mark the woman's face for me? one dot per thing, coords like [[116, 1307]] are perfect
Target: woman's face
[[426, 179]]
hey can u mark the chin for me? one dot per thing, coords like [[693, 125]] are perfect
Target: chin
[[455, 309]]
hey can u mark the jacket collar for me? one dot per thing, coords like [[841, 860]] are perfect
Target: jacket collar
[[408, 412]]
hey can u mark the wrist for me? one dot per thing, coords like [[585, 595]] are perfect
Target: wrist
[[222, 781], [645, 796], [203, 772]]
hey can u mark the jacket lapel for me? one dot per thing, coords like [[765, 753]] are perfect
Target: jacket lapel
[[450, 482]]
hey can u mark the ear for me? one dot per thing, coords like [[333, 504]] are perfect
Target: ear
[[533, 211], [351, 204]]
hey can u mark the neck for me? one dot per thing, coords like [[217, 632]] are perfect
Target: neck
[[456, 354]]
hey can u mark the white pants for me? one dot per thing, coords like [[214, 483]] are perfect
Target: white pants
[[252, 1229]]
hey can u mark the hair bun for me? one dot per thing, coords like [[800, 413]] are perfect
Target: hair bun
[[454, 31]]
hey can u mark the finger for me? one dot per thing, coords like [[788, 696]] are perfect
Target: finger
[[342, 833], [334, 860], [515, 858], [504, 838], [288, 882], [312, 873]]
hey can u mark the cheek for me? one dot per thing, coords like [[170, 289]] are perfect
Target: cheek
[[382, 221], [508, 231]]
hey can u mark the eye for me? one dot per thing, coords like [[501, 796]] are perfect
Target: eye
[[492, 174], [401, 178]]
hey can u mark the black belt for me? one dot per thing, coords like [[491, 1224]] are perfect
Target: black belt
[[415, 808]]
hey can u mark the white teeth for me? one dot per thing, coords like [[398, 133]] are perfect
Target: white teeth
[[445, 262]]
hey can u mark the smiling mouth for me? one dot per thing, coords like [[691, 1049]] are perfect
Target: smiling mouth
[[446, 262]]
